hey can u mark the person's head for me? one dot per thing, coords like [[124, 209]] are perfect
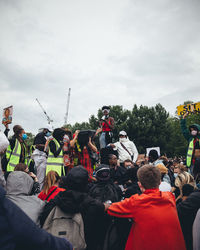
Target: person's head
[[187, 189], [184, 178], [112, 159], [164, 159], [153, 155], [102, 173], [106, 110], [194, 130], [128, 164], [19, 183], [58, 134], [132, 174], [77, 179], [51, 179], [179, 168], [148, 177], [123, 136], [47, 130], [21, 167], [170, 165], [163, 170], [18, 131], [68, 132], [7, 112]]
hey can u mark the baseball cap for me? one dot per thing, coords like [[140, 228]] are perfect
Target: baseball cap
[[122, 133]]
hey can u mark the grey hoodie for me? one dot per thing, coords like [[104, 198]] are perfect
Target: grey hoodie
[[18, 188]]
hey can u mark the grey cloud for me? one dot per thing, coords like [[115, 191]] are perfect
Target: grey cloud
[[116, 52]]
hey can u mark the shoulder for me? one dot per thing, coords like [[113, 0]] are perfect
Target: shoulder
[[130, 142], [13, 139], [190, 204], [42, 195], [41, 134]]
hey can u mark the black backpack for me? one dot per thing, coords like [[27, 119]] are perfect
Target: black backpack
[[117, 234]]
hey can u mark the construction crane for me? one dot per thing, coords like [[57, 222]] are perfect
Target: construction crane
[[67, 108], [48, 118]]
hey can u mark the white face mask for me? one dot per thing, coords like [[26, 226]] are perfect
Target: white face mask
[[122, 139], [175, 175], [194, 132]]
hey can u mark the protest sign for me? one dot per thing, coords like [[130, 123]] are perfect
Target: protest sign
[[7, 115], [192, 108]]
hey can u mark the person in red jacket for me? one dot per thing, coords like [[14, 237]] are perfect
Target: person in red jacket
[[106, 127], [50, 188], [155, 221]]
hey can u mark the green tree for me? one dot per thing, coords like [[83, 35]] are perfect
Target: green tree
[[146, 126], [30, 139]]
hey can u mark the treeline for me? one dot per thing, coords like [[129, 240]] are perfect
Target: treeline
[[147, 127]]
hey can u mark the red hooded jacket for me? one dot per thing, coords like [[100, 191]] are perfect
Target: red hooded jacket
[[156, 225]]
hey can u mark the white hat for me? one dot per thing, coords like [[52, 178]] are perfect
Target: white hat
[[48, 126], [123, 133]]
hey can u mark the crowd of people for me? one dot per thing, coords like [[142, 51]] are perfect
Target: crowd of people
[[64, 192]]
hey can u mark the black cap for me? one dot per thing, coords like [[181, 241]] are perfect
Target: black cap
[[105, 107]]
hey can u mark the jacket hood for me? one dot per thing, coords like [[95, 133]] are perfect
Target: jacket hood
[[70, 201], [19, 182], [195, 125], [77, 179]]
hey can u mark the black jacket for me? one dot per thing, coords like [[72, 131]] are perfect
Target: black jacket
[[104, 191], [187, 211], [131, 190], [118, 175], [19, 232], [92, 211]]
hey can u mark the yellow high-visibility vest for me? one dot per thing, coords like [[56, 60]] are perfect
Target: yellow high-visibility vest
[[190, 152], [13, 156], [55, 163]]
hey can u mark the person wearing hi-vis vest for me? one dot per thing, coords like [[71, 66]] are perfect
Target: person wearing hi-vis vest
[[193, 154], [55, 153], [17, 151]]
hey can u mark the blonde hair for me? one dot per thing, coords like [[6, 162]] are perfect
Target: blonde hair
[[50, 179], [182, 167], [184, 178]]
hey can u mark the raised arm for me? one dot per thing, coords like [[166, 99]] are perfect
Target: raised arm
[[72, 142], [92, 146], [184, 129]]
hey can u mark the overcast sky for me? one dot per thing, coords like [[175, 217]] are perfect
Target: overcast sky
[[110, 52]]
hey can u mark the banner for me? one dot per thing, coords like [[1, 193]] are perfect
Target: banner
[[192, 108], [7, 115]]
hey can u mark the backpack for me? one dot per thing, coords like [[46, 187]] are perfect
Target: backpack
[[117, 234], [65, 225]]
